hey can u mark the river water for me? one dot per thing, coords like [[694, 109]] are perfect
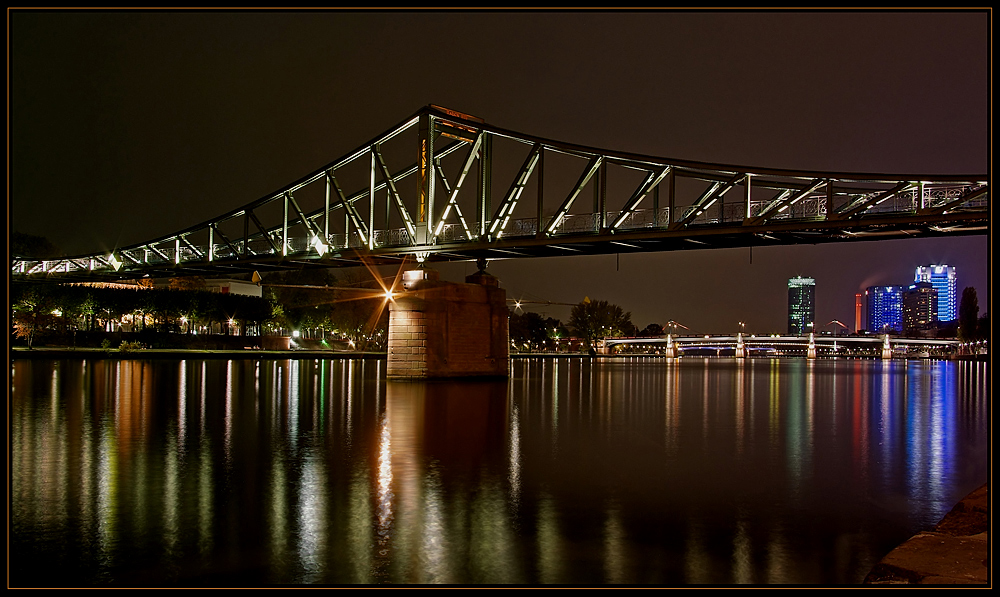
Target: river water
[[639, 471]]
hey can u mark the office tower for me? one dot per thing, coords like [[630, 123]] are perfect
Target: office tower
[[944, 280], [920, 306], [801, 305], [885, 309]]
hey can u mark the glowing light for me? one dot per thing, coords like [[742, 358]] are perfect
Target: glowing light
[[320, 246], [115, 263], [295, 334]]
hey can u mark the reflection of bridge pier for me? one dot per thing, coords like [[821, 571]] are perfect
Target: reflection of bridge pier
[[436, 435]]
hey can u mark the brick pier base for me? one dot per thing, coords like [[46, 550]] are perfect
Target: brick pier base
[[446, 330]]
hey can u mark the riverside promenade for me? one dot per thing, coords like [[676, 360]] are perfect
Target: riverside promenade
[[955, 552]]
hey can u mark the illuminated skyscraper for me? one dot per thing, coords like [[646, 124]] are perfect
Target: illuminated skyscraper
[[801, 305], [920, 306], [943, 279], [885, 309]]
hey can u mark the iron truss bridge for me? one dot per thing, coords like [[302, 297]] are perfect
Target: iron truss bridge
[[445, 186]]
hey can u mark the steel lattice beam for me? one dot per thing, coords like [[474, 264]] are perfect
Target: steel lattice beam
[[777, 207]]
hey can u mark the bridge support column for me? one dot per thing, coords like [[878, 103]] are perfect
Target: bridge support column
[[811, 349], [446, 330], [886, 348], [741, 349], [671, 350]]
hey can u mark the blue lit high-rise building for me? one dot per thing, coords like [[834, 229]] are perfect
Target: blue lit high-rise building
[[801, 305], [943, 278], [885, 308]]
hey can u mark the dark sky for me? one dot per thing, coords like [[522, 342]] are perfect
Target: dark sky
[[127, 126]]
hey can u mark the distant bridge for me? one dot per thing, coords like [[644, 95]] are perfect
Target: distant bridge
[[445, 186], [776, 344]]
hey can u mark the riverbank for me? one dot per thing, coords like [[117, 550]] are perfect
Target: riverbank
[[54, 352], [955, 552], [18, 352], [51, 352]]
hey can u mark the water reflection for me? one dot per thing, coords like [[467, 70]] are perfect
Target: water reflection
[[631, 471]]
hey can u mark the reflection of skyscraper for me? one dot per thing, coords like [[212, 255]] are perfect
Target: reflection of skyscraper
[[920, 306], [885, 308], [801, 305], [943, 279]]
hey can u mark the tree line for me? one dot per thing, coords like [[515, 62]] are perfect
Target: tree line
[[39, 308], [312, 302]]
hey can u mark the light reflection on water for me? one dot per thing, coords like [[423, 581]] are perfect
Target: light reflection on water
[[631, 471]]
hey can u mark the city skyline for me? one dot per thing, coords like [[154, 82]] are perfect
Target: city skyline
[[129, 126]]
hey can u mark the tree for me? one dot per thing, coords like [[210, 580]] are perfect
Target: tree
[[304, 297], [29, 245], [591, 320], [652, 330], [968, 314], [528, 328], [32, 311], [188, 283], [360, 310], [983, 329]]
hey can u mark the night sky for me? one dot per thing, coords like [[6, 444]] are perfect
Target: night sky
[[128, 126]]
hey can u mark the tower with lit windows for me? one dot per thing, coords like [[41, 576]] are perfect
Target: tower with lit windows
[[885, 309], [943, 279], [920, 306], [801, 305]]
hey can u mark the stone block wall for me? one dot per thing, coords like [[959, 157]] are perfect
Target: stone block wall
[[446, 330]]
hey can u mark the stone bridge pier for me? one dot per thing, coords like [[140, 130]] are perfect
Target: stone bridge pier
[[441, 329]]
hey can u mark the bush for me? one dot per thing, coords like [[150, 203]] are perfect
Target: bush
[[130, 346]]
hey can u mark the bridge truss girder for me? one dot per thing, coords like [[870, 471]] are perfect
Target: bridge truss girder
[[410, 195]]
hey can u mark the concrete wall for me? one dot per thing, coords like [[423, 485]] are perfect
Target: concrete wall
[[444, 330]]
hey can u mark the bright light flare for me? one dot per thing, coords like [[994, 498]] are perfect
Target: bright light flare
[[320, 246]]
